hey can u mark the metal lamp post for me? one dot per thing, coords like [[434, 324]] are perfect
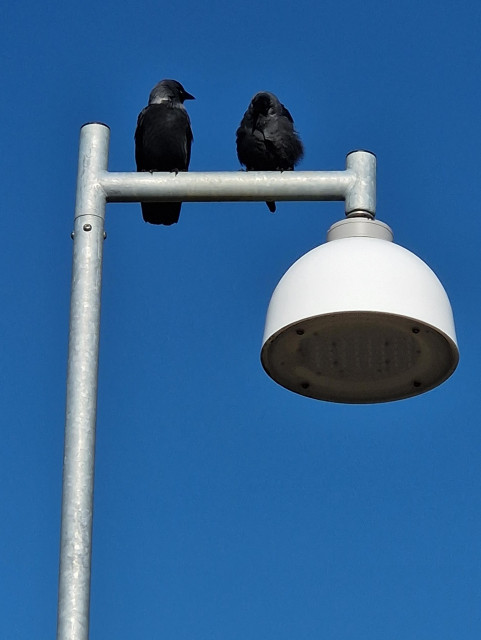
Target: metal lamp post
[[356, 185]]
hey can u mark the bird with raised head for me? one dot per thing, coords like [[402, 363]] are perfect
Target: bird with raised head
[[163, 139]]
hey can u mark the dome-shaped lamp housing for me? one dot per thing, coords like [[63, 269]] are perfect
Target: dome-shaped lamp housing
[[359, 320]]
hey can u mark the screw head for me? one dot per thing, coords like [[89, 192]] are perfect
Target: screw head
[[87, 227]]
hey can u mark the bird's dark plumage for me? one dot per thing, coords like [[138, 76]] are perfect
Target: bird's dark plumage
[[163, 138], [266, 139]]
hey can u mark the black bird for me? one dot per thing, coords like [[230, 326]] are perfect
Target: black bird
[[266, 139], [163, 138]]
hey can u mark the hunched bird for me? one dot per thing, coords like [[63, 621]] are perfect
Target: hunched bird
[[266, 139]]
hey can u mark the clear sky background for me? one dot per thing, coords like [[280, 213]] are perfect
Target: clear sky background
[[227, 508]]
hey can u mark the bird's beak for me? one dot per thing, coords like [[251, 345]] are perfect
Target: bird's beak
[[188, 96]]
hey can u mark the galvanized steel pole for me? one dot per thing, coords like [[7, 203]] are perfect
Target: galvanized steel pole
[[96, 186], [79, 448]]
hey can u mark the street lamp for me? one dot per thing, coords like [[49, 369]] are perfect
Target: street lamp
[[358, 319]]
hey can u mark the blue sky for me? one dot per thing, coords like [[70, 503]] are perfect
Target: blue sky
[[227, 508]]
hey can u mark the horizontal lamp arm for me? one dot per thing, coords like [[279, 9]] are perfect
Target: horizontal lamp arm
[[356, 185], [227, 186]]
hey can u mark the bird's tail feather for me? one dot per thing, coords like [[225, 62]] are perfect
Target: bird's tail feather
[[271, 205], [156, 213]]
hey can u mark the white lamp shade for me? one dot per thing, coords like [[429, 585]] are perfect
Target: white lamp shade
[[358, 320]]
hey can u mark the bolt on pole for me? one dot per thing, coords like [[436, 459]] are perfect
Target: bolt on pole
[[356, 185]]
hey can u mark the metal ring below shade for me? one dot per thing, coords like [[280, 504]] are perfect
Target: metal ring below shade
[[359, 320]]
